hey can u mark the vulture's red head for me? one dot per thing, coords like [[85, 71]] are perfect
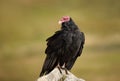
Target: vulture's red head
[[64, 19]]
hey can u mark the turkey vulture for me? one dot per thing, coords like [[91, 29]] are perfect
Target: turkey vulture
[[64, 46]]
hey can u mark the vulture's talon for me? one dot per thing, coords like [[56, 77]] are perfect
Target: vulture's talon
[[59, 68]]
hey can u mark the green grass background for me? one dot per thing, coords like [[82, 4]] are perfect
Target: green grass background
[[25, 25]]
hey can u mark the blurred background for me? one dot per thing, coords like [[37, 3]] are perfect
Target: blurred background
[[26, 24]]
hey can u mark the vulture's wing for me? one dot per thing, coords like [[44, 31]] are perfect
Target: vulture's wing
[[55, 46]]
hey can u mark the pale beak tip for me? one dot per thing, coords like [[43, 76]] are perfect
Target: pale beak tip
[[59, 22]]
